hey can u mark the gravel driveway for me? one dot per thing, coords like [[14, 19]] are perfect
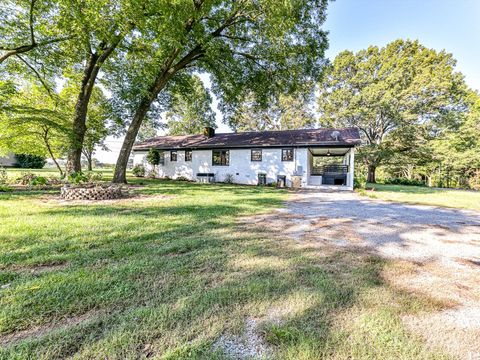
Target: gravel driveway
[[439, 246], [397, 230]]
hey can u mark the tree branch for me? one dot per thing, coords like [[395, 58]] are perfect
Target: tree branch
[[44, 84]]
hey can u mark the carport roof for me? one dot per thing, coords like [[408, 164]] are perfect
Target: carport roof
[[328, 137]]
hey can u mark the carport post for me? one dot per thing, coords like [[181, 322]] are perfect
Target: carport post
[[351, 167]]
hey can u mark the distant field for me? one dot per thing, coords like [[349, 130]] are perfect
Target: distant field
[[463, 199]]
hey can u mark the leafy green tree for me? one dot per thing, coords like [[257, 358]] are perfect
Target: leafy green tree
[[58, 38], [264, 46], [34, 123], [28, 161], [288, 111], [457, 150], [99, 124], [28, 26], [385, 91], [153, 158], [190, 109]]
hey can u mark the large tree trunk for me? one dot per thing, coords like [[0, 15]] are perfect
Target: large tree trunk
[[89, 162], [120, 175], [80, 115], [168, 71], [90, 73], [371, 174]]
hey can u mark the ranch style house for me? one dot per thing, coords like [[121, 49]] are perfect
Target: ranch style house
[[299, 158]]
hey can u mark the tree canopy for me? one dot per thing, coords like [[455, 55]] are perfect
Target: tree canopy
[[387, 92], [264, 47], [285, 112], [190, 110]]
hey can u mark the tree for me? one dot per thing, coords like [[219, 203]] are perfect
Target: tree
[[28, 161], [54, 38], [153, 158], [260, 46], [34, 123], [99, 125], [28, 26], [288, 111], [390, 89], [190, 109], [457, 150]]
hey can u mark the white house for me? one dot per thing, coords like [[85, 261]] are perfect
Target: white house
[[306, 158], [8, 160]]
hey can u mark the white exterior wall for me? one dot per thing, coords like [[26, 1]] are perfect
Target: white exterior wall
[[7, 160], [244, 170]]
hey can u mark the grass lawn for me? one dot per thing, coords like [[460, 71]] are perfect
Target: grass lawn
[[462, 199], [166, 274], [48, 171]]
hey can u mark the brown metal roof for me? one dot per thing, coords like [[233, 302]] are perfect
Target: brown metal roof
[[304, 137]]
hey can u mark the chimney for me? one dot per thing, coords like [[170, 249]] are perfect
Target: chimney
[[209, 131]]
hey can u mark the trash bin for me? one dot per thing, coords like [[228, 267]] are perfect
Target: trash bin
[[296, 181], [262, 179], [281, 181]]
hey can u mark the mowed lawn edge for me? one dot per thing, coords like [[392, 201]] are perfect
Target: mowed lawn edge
[[168, 272], [452, 198]]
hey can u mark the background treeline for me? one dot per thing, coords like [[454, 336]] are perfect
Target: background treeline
[[74, 72]]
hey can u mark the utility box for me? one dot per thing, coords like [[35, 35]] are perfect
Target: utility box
[[262, 179], [296, 181]]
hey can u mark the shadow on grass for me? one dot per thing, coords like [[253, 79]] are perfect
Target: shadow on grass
[[169, 280]]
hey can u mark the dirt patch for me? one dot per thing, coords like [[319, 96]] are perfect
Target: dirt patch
[[40, 331], [37, 268], [249, 345], [457, 331]]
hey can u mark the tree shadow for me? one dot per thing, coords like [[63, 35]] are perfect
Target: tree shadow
[[187, 277]]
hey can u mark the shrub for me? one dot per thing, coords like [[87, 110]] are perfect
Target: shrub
[[404, 181], [84, 177], [138, 170], [38, 180], [77, 178], [28, 161], [229, 179], [153, 157], [359, 182], [93, 176], [5, 188], [182, 178]]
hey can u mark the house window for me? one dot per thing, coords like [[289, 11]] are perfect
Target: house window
[[287, 154], [162, 158], [221, 157], [188, 155], [256, 155], [173, 155]]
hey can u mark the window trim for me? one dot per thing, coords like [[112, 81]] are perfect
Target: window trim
[[227, 157], [173, 152], [251, 155], [293, 154], [191, 154], [162, 157]]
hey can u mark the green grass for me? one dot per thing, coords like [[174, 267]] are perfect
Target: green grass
[[166, 276], [462, 199], [14, 173]]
